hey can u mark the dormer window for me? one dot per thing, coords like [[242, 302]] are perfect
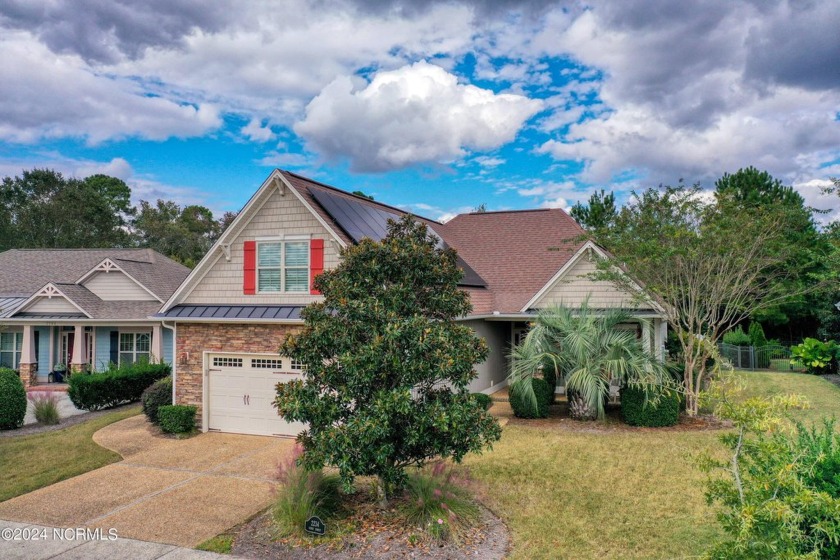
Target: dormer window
[[283, 266]]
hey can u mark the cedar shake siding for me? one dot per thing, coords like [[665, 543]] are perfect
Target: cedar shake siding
[[279, 215]]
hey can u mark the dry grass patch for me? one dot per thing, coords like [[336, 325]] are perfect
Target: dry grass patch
[[31, 462], [609, 493]]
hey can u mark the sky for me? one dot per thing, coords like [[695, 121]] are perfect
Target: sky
[[433, 106]]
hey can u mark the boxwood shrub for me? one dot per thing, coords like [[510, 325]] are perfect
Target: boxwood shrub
[[177, 418], [484, 400], [12, 399], [126, 384], [523, 407], [156, 395], [666, 411]]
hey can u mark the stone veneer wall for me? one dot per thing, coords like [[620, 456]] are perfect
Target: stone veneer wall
[[193, 339], [28, 373]]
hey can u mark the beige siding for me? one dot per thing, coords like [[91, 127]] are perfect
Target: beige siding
[[494, 370], [573, 287], [51, 305], [116, 286], [280, 215]]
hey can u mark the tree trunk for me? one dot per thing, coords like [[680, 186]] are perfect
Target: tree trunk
[[381, 493], [688, 383], [579, 408]]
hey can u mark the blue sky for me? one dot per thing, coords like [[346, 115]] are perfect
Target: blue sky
[[433, 106]]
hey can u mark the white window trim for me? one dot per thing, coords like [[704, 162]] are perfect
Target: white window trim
[[17, 349], [282, 241], [134, 352]]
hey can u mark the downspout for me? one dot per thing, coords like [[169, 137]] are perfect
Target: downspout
[[174, 353]]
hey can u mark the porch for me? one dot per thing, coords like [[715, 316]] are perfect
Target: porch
[[44, 353]]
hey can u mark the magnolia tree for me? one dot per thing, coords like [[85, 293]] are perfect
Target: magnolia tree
[[387, 366], [709, 263]]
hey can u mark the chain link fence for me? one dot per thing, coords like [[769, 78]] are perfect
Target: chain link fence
[[772, 357]]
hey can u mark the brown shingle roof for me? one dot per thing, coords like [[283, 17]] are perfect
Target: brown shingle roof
[[516, 252]]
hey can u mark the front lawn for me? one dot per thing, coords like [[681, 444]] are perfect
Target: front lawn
[[31, 462], [602, 494]]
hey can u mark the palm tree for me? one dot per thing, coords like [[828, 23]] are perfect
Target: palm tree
[[586, 351]]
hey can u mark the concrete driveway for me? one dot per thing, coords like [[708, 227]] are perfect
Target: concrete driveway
[[178, 492]]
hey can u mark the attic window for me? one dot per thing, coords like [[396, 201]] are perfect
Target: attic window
[[283, 266]]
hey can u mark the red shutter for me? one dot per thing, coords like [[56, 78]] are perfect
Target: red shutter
[[316, 263], [249, 285]]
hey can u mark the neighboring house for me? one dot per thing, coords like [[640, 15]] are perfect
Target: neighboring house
[[83, 308], [234, 310]]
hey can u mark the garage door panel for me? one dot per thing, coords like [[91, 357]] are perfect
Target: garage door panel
[[241, 398]]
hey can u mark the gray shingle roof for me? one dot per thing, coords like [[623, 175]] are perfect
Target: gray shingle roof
[[24, 271]]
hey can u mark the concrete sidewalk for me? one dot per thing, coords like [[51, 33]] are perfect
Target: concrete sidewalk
[[69, 548]]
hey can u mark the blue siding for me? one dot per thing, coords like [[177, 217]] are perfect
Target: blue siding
[[43, 356], [103, 348], [167, 346]]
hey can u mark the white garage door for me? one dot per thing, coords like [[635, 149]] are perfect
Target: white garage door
[[241, 390]]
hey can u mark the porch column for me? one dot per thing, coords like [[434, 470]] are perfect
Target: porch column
[[79, 358], [28, 360], [661, 337], [157, 343], [646, 328]]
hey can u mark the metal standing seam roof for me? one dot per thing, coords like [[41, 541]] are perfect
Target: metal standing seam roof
[[242, 312], [9, 304]]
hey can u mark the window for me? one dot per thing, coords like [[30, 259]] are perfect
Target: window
[[134, 347], [227, 362], [263, 363], [297, 366], [283, 266], [10, 346]]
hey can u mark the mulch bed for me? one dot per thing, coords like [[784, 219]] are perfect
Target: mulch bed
[[833, 378], [558, 417], [370, 533], [31, 429]]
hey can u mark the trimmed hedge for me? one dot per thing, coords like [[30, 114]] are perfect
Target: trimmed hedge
[[523, 407], [666, 412], [550, 377], [484, 400], [96, 391], [156, 395], [177, 418], [12, 400]]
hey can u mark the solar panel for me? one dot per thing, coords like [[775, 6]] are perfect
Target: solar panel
[[360, 220]]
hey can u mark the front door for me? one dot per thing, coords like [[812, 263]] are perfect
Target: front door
[[65, 355]]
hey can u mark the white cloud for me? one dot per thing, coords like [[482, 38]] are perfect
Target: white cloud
[[50, 96], [416, 114], [256, 132], [489, 161]]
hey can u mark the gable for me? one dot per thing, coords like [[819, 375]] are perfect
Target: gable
[[57, 305], [114, 285], [573, 286], [279, 214]]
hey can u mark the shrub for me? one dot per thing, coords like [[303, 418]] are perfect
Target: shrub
[[737, 337], [524, 407], [756, 334], [45, 404], [549, 375], [817, 356], [641, 409], [176, 418], [104, 390], [302, 494], [439, 503], [12, 400], [780, 493], [156, 395], [485, 401]]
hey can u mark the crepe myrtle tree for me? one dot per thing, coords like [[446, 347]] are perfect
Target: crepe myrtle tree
[[387, 367]]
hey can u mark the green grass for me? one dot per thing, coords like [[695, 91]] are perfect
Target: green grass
[[576, 494], [220, 544], [31, 462]]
